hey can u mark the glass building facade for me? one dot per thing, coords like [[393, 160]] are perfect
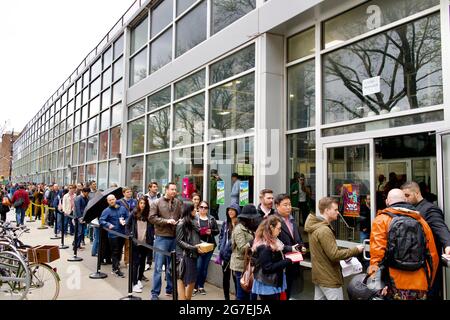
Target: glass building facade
[[350, 95]]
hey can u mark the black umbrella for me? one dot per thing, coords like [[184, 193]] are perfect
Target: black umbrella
[[99, 203]]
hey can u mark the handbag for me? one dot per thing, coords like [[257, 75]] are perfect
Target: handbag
[[247, 277], [18, 203]]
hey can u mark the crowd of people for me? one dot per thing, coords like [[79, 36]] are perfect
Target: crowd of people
[[263, 239]]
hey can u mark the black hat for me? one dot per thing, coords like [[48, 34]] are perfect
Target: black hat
[[249, 212]]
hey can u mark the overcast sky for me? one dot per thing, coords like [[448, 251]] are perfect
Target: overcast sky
[[43, 42]]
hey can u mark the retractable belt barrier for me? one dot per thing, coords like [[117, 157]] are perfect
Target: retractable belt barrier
[[131, 240]]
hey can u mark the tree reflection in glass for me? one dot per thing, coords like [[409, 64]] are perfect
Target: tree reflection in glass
[[158, 134], [188, 121]]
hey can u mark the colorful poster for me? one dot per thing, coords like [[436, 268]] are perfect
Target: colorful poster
[[243, 193], [185, 188], [220, 192], [350, 196]]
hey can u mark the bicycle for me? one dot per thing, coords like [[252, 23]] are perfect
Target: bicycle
[[44, 281]]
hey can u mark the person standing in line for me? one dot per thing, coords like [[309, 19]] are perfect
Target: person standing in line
[[214, 207], [208, 229], [301, 195], [152, 195], [364, 223], [129, 203], [5, 205], [164, 215], [234, 195], [22, 194], [325, 254], [139, 227], [114, 218], [270, 262], [292, 240], [242, 236], [434, 216], [187, 239], [68, 204], [225, 247], [196, 199], [265, 207], [81, 202]]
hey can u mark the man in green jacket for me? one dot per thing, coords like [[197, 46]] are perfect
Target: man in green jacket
[[325, 254]]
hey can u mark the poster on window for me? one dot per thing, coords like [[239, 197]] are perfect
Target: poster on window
[[243, 193], [220, 192], [350, 194]]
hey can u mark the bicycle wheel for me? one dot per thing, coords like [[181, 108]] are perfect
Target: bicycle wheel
[[44, 282], [14, 276]]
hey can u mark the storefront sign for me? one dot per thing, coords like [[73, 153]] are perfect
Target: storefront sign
[[350, 195], [243, 193], [220, 192], [371, 86], [244, 169]]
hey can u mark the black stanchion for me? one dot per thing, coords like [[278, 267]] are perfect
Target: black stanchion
[[130, 271], [98, 274], [75, 246], [173, 256], [62, 246], [55, 237]]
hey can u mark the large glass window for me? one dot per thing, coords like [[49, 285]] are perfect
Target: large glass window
[[161, 51], [370, 16], [397, 70], [117, 92], [138, 67], [225, 12], [232, 65], [103, 147], [302, 173], [104, 120], [136, 109], [114, 148], [139, 36], [301, 45], [188, 171], [191, 29], [118, 69], [226, 158], [189, 120], [183, 5], [232, 108], [113, 173], [91, 172], [107, 58], [135, 174], [107, 78], [190, 84], [159, 99], [95, 87], [102, 182], [75, 154], [161, 16], [92, 148], [96, 68], [118, 47], [158, 130], [82, 155], [81, 175], [94, 106], [301, 95], [136, 135], [116, 113], [158, 169], [106, 99], [93, 125]]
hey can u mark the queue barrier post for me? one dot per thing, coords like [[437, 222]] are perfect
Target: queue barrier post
[[130, 271], [98, 274], [75, 258], [43, 209], [173, 259], [55, 227], [62, 246]]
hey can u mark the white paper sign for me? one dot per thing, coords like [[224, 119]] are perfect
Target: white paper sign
[[371, 86], [351, 267]]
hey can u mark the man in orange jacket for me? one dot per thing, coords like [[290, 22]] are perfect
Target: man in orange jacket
[[403, 285]]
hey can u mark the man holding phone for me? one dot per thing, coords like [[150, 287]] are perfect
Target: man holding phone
[[292, 240]]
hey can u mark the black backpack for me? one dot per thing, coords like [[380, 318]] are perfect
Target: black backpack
[[407, 245]]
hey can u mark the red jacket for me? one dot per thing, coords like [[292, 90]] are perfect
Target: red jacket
[[21, 193]]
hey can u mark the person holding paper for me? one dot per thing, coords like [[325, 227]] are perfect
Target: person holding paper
[[325, 254], [270, 263], [292, 240]]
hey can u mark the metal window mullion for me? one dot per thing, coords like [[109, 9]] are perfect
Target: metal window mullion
[[206, 124], [320, 157]]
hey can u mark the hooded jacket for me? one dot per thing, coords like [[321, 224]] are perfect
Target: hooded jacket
[[225, 236], [401, 279], [325, 254]]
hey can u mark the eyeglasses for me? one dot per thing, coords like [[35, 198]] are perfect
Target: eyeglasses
[[203, 207]]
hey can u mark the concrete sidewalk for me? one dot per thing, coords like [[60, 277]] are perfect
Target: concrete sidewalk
[[75, 281]]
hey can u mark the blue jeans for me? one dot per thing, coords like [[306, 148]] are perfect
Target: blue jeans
[[240, 294], [94, 249], [80, 233], [63, 222], [20, 216], [202, 269], [165, 244]]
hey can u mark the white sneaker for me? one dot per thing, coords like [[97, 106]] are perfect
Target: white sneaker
[[139, 284], [147, 267], [137, 289]]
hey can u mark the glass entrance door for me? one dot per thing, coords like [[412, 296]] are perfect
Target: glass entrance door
[[349, 178], [445, 204]]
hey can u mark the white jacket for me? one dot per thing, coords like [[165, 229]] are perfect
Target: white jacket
[[67, 207]]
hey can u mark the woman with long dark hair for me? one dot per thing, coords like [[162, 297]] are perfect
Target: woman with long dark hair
[[187, 238], [139, 226]]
